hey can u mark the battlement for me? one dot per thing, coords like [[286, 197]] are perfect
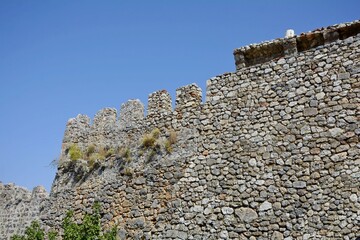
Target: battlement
[[274, 150], [108, 128], [284, 47], [105, 118], [76, 128], [159, 103], [10, 190], [22, 203], [131, 114]]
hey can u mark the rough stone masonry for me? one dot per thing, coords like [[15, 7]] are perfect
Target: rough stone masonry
[[273, 152]]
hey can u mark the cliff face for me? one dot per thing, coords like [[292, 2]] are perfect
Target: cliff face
[[273, 152]]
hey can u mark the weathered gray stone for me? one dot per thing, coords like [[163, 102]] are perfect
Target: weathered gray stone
[[277, 236], [310, 112], [246, 215], [227, 210], [224, 234], [176, 234], [353, 197], [265, 206], [299, 184], [339, 157], [336, 132], [320, 95]]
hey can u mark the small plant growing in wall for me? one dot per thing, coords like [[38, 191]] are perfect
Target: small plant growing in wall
[[96, 156], [149, 140], [168, 146], [172, 137], [170, 141], [126, 154], [128, 171], [104, 152], [155, 144], [75, 152], [110, 152], [90, 151], [155, 133]]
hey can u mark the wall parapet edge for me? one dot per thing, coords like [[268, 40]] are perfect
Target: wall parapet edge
[[271, 50], [188, 101], [19, 207]]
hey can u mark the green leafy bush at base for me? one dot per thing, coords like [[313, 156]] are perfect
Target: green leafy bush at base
[[90, 228], [34, 232]]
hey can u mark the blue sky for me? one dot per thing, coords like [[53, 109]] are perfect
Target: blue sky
[[62, 58]]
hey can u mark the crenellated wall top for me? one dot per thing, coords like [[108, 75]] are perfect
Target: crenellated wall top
[[109, 126], [272, 50]]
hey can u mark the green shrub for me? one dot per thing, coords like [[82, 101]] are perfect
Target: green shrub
[[34, 232], [91, 163], [75, 152], [17, 237], [52, 235], [89, 229]]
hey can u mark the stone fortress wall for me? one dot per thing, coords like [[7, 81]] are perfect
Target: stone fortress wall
[[273, 152], [18, 207]]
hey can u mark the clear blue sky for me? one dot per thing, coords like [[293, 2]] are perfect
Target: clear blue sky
[[62, 58]]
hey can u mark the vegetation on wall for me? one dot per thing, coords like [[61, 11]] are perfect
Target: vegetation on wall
[[152, 143], [155, 144], [170, 141], [34, 232], [75, 152], [88, 229]]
